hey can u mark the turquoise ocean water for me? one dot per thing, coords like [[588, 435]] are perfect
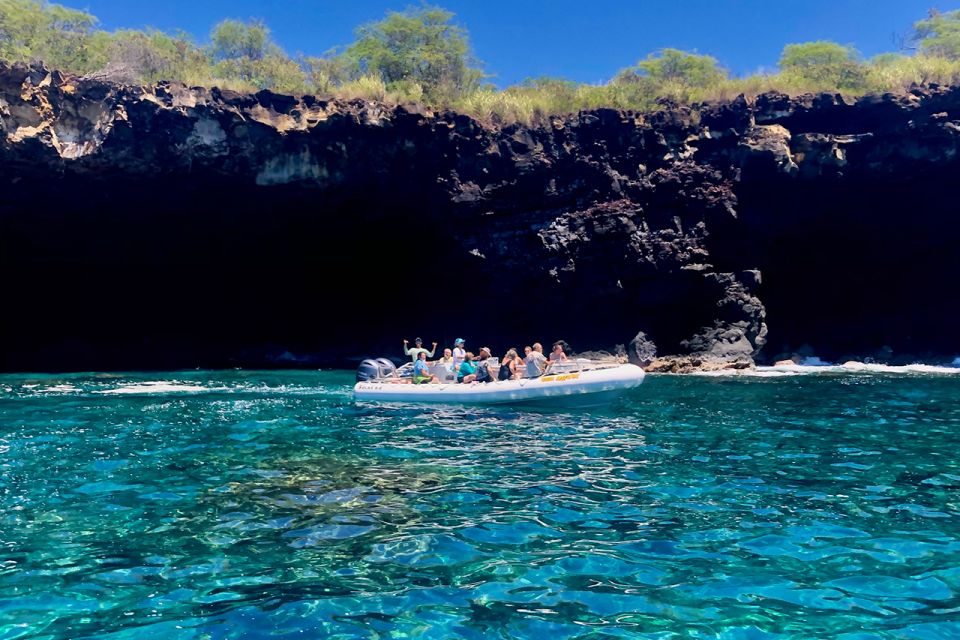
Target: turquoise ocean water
[[269, 505]]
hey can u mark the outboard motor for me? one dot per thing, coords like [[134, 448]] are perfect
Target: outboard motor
[[387, 368], [371, 369], [368, 370]]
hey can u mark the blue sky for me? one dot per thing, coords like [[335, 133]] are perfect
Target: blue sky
[[587, 41]]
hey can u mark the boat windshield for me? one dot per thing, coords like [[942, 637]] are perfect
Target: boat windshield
[[571, 365]]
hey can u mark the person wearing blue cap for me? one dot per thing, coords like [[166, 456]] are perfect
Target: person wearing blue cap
[[459, 353], [413, 353]]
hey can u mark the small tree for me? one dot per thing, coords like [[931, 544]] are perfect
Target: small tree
[[824, 65], [939, 34], [244, 52], [418, 45], [279, 73], [681, 67], [57, 35], [668, 73], [233, 39], [326, 72], [142, 55]]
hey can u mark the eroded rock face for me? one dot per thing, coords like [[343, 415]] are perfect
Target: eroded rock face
[[176, 226]]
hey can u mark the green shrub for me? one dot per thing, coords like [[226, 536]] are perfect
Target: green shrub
[[823, 66], [419, 45], [244, 53], [59, 36], [326, 73]]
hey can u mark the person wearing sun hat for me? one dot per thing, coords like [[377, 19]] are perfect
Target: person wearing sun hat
[[415, 352], [485, 359], [459, 353]]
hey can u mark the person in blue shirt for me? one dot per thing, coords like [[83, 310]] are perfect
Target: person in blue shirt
[[421, 370]]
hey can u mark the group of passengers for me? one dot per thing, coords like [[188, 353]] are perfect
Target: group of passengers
[[461, 365]]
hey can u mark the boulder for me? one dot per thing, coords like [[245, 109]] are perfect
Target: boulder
[[642, 351]]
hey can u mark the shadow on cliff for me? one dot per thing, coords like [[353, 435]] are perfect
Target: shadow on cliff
[[183, 271], [865, 266]]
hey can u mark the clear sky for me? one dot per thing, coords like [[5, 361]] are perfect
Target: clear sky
[[583, 40]]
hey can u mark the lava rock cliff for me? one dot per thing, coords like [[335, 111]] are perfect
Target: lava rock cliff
[[170, 226]]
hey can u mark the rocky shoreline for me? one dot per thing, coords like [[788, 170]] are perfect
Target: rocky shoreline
[[168, 226]]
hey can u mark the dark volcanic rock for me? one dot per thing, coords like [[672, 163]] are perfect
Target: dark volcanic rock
[[642, 350], [739, 331], [169, 226]]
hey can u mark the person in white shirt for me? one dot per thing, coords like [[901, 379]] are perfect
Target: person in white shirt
[[443, 368], [536, 361], [415, 352], [459, 353]]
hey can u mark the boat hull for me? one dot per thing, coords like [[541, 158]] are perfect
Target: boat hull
[[576, 388]]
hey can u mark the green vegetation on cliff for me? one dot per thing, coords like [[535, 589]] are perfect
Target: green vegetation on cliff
[[421, 54]]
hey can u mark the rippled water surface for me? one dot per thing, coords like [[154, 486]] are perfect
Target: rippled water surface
[[269, 505]]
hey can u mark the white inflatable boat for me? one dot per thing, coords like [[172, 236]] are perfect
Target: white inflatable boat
[[577, 383]]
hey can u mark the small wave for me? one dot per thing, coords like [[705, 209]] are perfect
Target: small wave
[[909, 368], [61, 388], [298, 390], [813, 361], [759, 372], [779, 371], [160, 386]]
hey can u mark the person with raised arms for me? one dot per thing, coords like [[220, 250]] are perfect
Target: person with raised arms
[[417, 350]]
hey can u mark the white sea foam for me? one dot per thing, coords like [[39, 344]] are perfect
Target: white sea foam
[[161, 386], [910, 368], [759, 372], [61, 388], [827, 368]]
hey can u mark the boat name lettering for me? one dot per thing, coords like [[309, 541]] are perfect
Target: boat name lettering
[[561, 378]]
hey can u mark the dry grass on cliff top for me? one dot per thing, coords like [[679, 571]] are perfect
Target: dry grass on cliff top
[[534, 105]]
